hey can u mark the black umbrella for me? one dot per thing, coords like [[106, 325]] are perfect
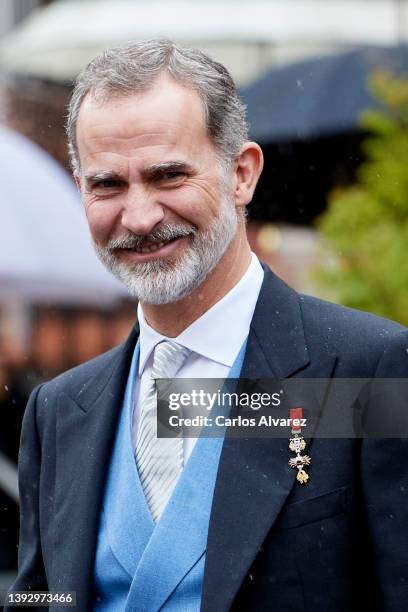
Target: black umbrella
[[319, 97]]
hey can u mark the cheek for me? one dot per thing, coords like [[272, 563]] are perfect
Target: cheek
[[102, 221], [193, 204]]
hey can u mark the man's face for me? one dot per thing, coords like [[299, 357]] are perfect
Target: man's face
[[160, 210]]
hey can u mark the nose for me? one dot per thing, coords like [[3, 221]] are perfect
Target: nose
[[141, 212]]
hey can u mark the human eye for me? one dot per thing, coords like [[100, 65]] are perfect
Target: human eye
[[108, 184], [171, 178], [172, 175], [105, 185]]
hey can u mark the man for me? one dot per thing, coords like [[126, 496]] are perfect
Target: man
[[160, 153]]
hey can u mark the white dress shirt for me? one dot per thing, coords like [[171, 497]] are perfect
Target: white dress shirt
[[215, 340]]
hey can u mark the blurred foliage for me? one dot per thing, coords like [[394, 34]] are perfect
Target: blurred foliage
[[366, 224]]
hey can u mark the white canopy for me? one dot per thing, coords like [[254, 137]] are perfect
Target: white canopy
[[45, 248], [56, 41]]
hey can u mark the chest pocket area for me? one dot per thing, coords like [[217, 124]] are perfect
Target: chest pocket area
[[313, 509]]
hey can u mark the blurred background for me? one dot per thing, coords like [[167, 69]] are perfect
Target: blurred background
[[326, 86]]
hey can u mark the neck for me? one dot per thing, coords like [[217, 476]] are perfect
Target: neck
[[171, 319]]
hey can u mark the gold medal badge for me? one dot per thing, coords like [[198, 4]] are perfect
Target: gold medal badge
[[297, 445]]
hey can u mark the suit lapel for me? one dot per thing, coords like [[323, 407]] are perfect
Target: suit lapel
[[254, 479], [85, 431]]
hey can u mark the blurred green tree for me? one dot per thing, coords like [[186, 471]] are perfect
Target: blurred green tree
[[366, 225]]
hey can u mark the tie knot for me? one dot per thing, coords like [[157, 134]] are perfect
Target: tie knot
[[168, 359]]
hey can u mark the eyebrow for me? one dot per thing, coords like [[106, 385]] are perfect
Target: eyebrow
[[149, 172], [103, 175], [169, 166]]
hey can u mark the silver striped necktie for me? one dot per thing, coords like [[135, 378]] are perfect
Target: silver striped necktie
[[159, 460]]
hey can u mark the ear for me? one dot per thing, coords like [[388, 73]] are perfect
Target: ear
[[248, 167], [77, 181]]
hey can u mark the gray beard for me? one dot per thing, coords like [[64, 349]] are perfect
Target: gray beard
[[168, 280]]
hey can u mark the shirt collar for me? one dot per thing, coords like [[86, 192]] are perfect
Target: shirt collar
[[220, 332]]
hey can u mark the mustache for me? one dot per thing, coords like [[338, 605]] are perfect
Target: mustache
[[162, 234]]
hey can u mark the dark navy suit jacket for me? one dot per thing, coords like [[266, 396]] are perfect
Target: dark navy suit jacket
[[339, 543]]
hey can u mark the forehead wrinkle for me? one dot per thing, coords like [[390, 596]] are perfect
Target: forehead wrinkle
[[134, 146], [120, 130]]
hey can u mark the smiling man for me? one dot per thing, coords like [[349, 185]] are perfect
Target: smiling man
[[130, 521], [163, 212]]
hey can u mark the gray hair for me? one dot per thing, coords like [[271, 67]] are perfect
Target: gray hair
[[133, 68]]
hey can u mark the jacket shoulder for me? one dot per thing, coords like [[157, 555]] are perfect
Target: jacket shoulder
[[77, 379], [358, 337], [319, 312]]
